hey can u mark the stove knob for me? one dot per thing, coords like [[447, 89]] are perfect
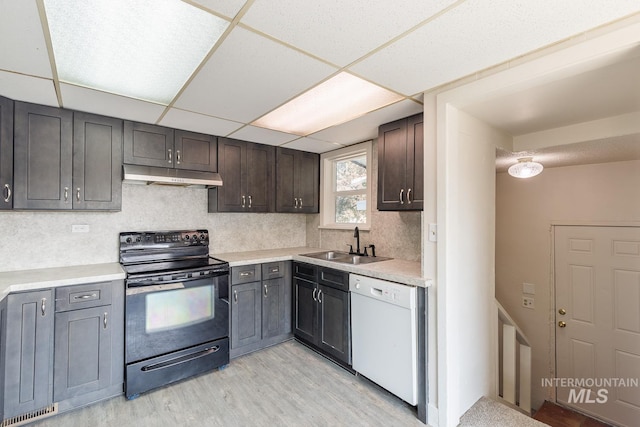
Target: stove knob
[[137, 239], [202, 237], [195, 237], [186, 237], [128, 240]]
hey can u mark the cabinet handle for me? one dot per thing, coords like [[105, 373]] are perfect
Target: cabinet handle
[[104, 322], [66, 194], [402, 196], [235, 296], [265, 291], [313, 295], [274, 270], [295, 203], [319, 295], [178, 158], [300, 205], [170, 153], [409, 196], [243, 199], [78, 194], [43, 307], [85, 296], [246, 273], [249, 201], [8, 188]]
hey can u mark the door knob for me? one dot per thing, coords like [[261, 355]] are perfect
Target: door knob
[[562, 311], [562, 324]]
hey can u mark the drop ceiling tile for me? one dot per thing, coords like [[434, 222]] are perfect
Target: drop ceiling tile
[[195, 122], [228, 8], [366, 127], [107, 104], [478, 34], [337, 30], [263, 136], [312, 145], [248, 76], [21, 40], [29, 89]]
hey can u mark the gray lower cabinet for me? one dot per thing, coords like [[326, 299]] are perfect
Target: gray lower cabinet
[[260, 306], [88, 343], [27, 353], [322, 316]]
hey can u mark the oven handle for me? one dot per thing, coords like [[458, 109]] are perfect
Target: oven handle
[[181, 359]]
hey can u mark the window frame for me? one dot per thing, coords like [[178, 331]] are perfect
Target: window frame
[[327, 184]]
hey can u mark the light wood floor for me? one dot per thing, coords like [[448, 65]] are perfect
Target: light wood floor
[[285, 385]]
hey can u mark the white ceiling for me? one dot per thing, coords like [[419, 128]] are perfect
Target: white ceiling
[[276, 49]]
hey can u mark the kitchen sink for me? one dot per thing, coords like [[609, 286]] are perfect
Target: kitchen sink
[[345, 257]]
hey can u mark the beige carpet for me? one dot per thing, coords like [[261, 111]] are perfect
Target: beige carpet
[[489, 413]]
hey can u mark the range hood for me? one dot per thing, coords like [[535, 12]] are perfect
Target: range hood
[[167, 176]]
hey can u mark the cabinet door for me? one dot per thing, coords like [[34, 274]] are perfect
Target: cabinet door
[[246, 314], [6, 153], [305, 321], [392, 165], [97, 162], [148, 145], [308, 182], [29, 355], [274, 308], [82, 352], [334, 323], [260, 172], [229, 197], [415, 162], [42, 157], [286, 181], [196, 151]]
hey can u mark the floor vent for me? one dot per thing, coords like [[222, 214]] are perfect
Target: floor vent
[[29, 417]]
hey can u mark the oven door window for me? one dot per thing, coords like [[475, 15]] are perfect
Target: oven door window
[[179, 308]]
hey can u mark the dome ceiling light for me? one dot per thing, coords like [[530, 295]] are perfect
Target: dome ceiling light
[[525, 168]]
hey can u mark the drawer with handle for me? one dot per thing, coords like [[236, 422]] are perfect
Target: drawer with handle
[[273, 270], [83, 296], [246, 274]]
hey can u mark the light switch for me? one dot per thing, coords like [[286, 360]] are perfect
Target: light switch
[[529, 288], [80, 228]]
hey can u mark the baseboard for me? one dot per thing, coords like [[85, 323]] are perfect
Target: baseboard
[[432, 417]]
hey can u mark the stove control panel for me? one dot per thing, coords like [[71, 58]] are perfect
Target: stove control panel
[[163, 239]]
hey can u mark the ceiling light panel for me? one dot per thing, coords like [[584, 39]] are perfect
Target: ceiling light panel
[[337, 30], [478, 34], [337, 100], [144, 49]]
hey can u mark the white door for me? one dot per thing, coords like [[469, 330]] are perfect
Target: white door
[[597, 279]]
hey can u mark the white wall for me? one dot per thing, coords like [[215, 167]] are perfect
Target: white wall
[[606, 193], [465, 261], [44, 239]]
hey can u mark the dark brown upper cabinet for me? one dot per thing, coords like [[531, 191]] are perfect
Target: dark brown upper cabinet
[[151, 145], [97, 162], [297, 181], [65, 160], [6, 153], [43, 147], [401, 165], [248, 175]]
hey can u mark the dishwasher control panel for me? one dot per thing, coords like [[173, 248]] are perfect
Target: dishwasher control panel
[[394, 293]]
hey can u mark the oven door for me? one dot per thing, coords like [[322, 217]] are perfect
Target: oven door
[[173, 316]]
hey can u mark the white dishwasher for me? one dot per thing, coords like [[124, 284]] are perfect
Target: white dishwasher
[[384, 337]]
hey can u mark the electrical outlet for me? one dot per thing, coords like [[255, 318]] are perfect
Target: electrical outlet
[[528, 302], [80, 228]]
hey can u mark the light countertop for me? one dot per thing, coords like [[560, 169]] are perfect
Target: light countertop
[[42, 278], [395, 270]]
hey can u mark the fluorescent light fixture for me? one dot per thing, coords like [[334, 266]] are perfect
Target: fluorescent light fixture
[[145, 49], [339, 99], [525, 168]]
